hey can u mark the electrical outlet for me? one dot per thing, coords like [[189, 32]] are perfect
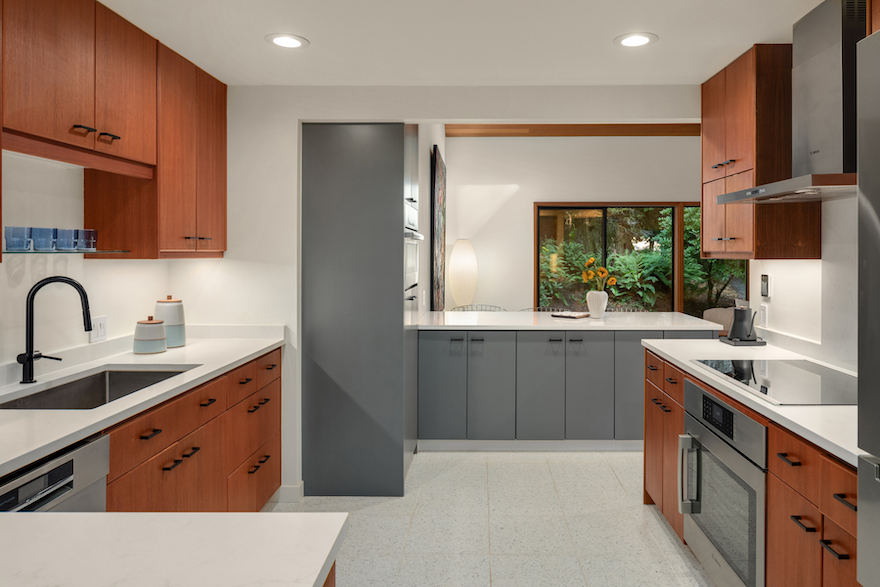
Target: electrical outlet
[[763, 315], [99, 329]]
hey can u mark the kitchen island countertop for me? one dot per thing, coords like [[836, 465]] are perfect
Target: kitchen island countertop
[[545, 321], [169, 549]]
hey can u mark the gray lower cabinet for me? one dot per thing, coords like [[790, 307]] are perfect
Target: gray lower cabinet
[[491, 385], [443, 384], [589, 385], [629, 383], [672, 334], [540, 385]]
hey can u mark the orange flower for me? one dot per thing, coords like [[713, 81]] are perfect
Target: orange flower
[[603, 273], [590, 261], [589, 275], [612, 281], [584, 276]]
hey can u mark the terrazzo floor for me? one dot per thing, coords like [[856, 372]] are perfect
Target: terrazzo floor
[[501, 519]]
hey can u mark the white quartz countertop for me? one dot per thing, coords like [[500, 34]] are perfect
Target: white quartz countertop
[[171, 550], [28, 435], [833, 428], [545, 321]]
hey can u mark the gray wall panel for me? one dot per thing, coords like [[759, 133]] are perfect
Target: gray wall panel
[[589, 385], [443, 384], [629, 383], [540, 385], [491, 385]]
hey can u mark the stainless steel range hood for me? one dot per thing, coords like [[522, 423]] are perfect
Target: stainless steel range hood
[[823, 108]]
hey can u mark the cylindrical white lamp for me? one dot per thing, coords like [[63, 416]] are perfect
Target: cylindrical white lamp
[[463, 272]]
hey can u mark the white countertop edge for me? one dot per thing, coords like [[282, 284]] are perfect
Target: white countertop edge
[[843, 444], [473, 321], [334, 551]]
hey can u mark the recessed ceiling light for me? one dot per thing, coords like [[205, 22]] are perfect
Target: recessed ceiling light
[[636, 39], [287, 40]]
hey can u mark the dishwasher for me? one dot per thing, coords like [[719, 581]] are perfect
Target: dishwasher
[[71, 480]]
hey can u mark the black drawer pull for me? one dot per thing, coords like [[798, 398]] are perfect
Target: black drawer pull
[[88, 129], [112, 136], [716, 166], [656, 401], [156, 432], [456, 339], [191, 238], [270, 367], [841, 497], [575, 340], [265, 458], [174, 466], [652, 368], [784, 457], [797, 520], [476, 340], [245, 382], [205, 238], [826, 544], [671, 380], [254, 409], [264, 401], [555, 340], [254, 470], [194, 450], [208, 403]]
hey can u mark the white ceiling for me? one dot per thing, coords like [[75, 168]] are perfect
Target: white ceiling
[[463, 42]]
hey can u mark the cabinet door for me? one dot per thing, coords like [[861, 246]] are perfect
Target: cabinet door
[[202, 479], [712, 224], [740, 118], [673, 425], [739, 219], [838, 557], [269, 476], [629, 382], [242, 488], [654, 421], [49, 69], [540, 385], [125, 88], [211, 164], [152, 486], [443, 385], [713, 129], [589, 385], [794, 525], [491, 385], [838, 493], [177, 148]]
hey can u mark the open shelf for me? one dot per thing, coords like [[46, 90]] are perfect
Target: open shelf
[[65, 252]]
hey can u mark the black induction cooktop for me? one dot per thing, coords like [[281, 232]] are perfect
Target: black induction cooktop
[[789, 382]]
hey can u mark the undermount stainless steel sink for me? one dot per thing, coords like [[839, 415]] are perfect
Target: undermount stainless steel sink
[[91, 391]]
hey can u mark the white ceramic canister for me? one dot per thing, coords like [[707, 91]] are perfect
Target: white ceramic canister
[[149, 337], [171, 311]]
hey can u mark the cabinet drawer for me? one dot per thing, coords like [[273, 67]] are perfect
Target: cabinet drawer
[[838, 489], [838, 557], [242, 383], [654, 369], [149, 487], [135, 441], [241, 488], [255, 481], [268, 368], [673, 383], [794, 525], [269, 475], [250, 423], [794, 461]]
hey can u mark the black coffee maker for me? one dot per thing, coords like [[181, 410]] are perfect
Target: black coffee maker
[[742, 330]]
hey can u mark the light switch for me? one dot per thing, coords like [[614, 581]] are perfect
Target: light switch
[[763, 315], [99, 329]]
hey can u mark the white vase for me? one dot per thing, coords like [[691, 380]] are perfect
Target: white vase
[[596, 302]]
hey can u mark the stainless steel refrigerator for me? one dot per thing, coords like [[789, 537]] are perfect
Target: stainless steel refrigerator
[[869, 309]]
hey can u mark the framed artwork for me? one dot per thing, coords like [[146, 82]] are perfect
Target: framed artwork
[[438, 230]]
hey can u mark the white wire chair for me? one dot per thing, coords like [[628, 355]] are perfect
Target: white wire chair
[[546, 309], [478, 308]]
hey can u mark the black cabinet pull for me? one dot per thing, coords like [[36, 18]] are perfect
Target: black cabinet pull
[[194, 450], [729, 161], [411, 200], [665, 409], [841, 497], [797, 520], [270, 367], [652, 368], [826, 544], [784, 457], [264, 401], [208, 403], [156, 432], [716, 166], [456, 340], [476, 340], [555, 340], [671, 380], [254, 409], [264, 459], [254, 470], [575, 340], [191, 238], [88, 129], [204, 238], [112, 136], [245, 382], [410, 298], [655, 400], [174, 466]]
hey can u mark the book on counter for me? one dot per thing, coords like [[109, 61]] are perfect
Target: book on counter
[[573, 315]]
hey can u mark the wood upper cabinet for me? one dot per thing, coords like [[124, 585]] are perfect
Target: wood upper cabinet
[[713, 223], [714, 127], [49, 69], [211, 164], [125, 88], [740, 114], [739, 219]]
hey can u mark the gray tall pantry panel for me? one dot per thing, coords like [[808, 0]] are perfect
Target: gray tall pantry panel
[[540, 385], [589, 385], [353, 410], [443, 384], [491, 385], [629, 379]]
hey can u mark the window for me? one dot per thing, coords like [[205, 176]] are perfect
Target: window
[[637, 244]]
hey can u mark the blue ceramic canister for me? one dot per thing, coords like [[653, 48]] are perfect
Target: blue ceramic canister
[[171, 311], [149, 337]]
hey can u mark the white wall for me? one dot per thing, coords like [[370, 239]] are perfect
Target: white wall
[[493, 184], [813, 305]]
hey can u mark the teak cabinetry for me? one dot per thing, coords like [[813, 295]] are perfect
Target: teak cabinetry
[[199, 452], [746, 141]]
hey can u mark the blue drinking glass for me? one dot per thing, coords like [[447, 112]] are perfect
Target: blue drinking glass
[[66, 239], [18, 238], [44, 238]]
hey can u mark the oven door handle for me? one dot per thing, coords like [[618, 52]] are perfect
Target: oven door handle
[[687, 443]]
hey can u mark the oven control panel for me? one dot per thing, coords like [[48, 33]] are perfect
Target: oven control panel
[[718, 416]]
